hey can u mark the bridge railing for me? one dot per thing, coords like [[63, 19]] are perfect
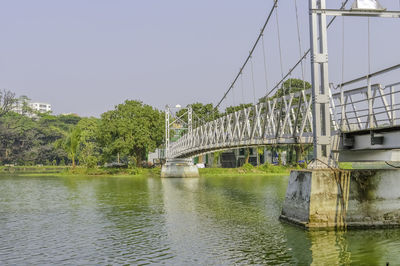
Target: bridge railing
[[355, 110], [284, 120], [288, 120]]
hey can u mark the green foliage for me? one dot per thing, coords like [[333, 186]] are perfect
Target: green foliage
[[292, 86], [270, 168], [216, 157], [91, 161], [28, 141], [289, 86], [100, 171], [202, 113], [232, 109], [131, 130], [247, 167], [88, 151], [71, 144]]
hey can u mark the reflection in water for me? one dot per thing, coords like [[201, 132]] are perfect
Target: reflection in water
[[329, 247], [368, 247], [217, 220], [182, 220]]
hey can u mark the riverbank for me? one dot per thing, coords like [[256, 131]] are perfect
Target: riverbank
[[33, 169], [78, 171], [101, 171], [245, 170]]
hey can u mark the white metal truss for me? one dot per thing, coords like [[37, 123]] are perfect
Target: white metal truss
[[285, 120], [352, 112], [288, 120]]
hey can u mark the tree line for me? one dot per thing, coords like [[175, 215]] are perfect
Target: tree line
[[125, 134]]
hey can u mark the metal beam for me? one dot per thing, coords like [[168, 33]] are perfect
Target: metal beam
[[356, 13], [377, 73], [320, 82]]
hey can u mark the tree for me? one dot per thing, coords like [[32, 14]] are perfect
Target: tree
[[232, 109], [28, 141], [72, 143], [88, 149], [289, 86], [18, 136], [201, 113], [131, 131], [23, 105], [7, 101]]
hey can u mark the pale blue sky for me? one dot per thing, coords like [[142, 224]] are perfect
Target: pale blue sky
[[85, 56]]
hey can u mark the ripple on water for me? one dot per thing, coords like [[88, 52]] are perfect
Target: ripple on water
[[204, 221]]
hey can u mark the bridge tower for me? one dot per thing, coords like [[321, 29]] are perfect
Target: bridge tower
[[177, 167], [320, 85]]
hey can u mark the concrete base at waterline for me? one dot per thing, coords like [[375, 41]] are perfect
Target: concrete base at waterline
[[179, 168], [352, 199]]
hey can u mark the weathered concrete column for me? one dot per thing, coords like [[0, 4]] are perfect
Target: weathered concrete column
[[179, 168], [356, 198]]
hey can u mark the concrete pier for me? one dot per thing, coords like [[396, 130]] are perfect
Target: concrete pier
[[352, 199], [179, 168]]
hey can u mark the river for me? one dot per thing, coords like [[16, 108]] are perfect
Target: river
[[139, 221]]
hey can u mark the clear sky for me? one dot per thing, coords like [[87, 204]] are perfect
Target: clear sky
[[86, 56]]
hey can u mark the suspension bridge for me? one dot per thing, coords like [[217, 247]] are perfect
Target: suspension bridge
[[354, 121], [349, 119]]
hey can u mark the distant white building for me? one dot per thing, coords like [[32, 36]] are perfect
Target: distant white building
[[24, 107], [40, 107]]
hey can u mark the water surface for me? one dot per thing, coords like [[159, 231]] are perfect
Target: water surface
[[213, 220]]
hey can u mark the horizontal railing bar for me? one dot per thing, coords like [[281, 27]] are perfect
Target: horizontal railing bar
[[380, 72], [366, 99]]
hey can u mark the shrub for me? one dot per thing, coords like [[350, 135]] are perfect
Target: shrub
[[269, 168], [91, 161], [247, 167], [266, 167]]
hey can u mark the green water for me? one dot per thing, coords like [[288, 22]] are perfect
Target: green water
[[205, 221]]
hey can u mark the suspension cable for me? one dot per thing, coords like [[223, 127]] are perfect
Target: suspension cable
[[252, 80], [233, 95], [304, 56], [265, 62], [251, 53], [279, 40], [241, 81], [343, 50], [300, 47], [369, 46]]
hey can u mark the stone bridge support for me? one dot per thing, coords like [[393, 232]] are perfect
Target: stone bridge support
[[337, 199], [179, 168]]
